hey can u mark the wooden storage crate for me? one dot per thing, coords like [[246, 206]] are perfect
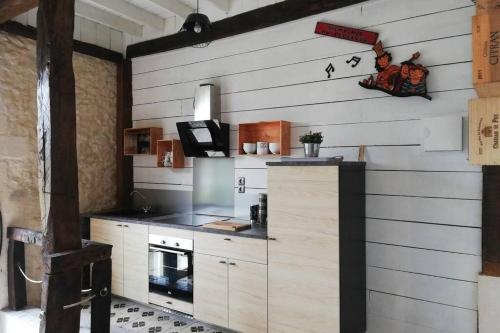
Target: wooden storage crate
[[486, 53], [141, 141], [483, 6], [173, 146], [484, 130], [265, 131]]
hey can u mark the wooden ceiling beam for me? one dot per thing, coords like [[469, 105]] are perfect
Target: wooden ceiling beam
[[174, 6], [12, 8], [134, 13], [105, 18], [259, 18]]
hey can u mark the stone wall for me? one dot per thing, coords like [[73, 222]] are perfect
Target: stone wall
[[96, 109]]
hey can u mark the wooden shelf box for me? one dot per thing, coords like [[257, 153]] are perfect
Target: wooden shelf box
[[484, 131], [266, 131], [141, 141], [173, 146], [486, 56]]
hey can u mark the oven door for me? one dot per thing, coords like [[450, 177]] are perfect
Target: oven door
[[171, 272]]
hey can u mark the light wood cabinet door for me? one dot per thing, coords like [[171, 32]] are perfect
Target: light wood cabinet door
[[110, 232], [210, 289], [247, 297], [303, 226], [135, 257], [241, 248]]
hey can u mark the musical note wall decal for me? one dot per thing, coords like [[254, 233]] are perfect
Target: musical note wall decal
[[356, 61], [329, 70]]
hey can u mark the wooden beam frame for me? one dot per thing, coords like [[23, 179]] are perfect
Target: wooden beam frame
[[124, 168], [105, 18], [95, 51], [260, 18], [57, 161], [175, 7], [12, 8], [134, 13]]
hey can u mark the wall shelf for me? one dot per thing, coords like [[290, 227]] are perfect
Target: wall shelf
[[173, 146], [266, 131], [141, 141]]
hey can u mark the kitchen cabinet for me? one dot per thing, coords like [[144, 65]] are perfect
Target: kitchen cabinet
[[210, 292], [230, 293], [316, 249], [135, 258], [241, 248], [129, 256], [110, 232], [247, 296]]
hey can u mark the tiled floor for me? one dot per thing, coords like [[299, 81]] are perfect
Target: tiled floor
[[128, 317]]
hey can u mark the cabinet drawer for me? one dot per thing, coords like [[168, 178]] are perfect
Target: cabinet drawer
[[171, 232], [171, 303], [241, 248]]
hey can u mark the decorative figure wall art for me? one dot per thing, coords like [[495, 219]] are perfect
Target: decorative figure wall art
[[408, 79]]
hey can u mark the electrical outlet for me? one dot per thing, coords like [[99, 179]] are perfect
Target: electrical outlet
[[241, 189], [241, 181]]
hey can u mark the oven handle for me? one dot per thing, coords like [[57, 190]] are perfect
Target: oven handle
[[160, 249]]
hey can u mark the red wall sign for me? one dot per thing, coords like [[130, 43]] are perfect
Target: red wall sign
[[355, 35]]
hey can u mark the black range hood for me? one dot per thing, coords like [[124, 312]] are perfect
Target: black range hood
[[206, 136]]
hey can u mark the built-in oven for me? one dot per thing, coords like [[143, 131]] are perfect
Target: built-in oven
[[171, 267]]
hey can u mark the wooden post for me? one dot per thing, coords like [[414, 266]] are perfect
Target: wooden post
[[101, 304], [491, 221], [123, 120], [16, 281], [57, 160]]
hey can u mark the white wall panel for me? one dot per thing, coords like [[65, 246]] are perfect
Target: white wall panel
[[395, 314], [445, 291], [423, 208], [463, 240]]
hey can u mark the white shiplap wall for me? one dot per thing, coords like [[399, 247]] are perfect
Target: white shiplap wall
[[423, 208], [85, 30]]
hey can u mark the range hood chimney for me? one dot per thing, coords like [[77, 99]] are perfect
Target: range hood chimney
[[206, 136]]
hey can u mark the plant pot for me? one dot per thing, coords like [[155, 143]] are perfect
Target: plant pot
[[311, 149]]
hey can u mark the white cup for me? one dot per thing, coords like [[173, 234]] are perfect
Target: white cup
[[274, 147], [249, 148], [262, 148]]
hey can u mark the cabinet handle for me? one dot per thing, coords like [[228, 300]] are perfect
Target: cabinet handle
[[119, 225], [232, 264], [126, 226], [222, 262], [227, 239], [271, 238], [168, 302]]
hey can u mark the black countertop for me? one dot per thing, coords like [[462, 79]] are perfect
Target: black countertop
[[300, 162], [185, 221]]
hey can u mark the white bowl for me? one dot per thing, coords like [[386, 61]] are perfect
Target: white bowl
[[249, 148], [274, 147]]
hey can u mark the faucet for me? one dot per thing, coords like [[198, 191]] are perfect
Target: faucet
[[147, 207]]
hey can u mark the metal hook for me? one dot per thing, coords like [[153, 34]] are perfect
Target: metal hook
[[26, 277]]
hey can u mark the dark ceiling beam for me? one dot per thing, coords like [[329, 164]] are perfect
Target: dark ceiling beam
[[12, 8], [260, 18], [95, 51]]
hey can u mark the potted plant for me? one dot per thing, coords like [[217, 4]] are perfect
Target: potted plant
[[312, 142]]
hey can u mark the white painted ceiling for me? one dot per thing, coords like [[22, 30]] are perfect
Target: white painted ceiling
[[114, 24]]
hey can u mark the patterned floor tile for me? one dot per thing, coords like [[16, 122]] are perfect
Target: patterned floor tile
[[130, 317]]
